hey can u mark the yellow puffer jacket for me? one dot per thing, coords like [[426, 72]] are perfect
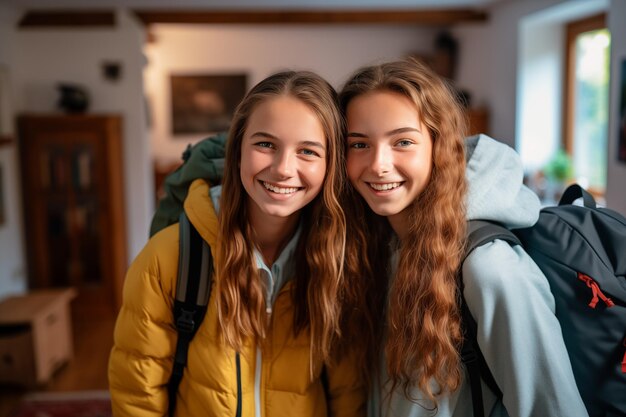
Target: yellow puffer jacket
[[145, 339]]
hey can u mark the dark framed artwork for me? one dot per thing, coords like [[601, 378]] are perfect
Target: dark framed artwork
[[205, 103], [621, 150]]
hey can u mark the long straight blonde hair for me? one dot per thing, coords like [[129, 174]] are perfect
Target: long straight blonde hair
[[423, 334], [320, 252]]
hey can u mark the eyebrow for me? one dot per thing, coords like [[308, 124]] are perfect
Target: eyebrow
[[304, 142], [264, 135], [390, 133], [312, 143]]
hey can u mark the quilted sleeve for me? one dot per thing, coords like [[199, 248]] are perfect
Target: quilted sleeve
[[145, 338]]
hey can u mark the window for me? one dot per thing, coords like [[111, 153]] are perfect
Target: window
[[587, 101]]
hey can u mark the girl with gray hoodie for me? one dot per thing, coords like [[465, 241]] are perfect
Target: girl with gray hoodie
[[414, 184]]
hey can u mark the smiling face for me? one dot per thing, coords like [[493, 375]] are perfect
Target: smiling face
[[283, 158], [389, 153]]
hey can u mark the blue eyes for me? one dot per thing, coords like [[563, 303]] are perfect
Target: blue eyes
[[401, 144], [358, 145], [270, 145], [265, 144]]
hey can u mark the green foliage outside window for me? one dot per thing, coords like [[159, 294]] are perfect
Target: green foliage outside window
[[591, 109]]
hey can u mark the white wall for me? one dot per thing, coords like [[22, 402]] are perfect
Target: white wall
[[616, 179], [75, 55], [539, 93], [488, 62], [12, 262], [330, 50], [541, 62]]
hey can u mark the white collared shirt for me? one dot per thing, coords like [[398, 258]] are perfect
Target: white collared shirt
[[281, 271]]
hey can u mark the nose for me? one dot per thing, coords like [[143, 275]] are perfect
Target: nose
[[381, 161], [283, 164]]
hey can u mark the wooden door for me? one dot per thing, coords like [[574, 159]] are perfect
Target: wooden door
[[71, 174]]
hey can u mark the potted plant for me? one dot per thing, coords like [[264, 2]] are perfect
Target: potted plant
[[558, 171]]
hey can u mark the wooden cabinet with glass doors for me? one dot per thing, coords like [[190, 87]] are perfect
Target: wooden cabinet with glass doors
[[72, 186]]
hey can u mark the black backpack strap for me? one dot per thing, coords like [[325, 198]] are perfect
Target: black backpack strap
[[193, 287], [470, 357], [574, 192], [479, 232]]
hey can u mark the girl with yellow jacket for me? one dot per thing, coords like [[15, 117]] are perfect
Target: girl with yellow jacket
[[264, 348]]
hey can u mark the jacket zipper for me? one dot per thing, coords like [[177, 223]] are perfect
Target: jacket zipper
[[257, 383], [238, 364], [597, 292]]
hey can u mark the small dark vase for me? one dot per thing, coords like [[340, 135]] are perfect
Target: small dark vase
[[74, 98]]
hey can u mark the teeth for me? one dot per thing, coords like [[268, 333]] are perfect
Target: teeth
[[385, 187], [279, 190]]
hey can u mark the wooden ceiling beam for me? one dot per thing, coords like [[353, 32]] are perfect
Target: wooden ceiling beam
[[67, 18], [106, 18], [390, 16]]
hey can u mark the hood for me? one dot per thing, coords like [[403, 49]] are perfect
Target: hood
[[495, 179], [201, 212]]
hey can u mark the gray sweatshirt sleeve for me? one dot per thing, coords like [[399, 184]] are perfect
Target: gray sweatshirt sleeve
[[518, 333]]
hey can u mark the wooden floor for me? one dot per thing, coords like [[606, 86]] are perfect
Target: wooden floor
[[93, 340]]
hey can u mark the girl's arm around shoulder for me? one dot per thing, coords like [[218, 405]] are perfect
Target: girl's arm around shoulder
[[518, 332], [145, 337]]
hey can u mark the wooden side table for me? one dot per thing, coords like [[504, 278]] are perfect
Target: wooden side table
[[35, 336]]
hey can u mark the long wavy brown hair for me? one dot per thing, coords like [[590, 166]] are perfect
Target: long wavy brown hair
[[423, 325], [320, 251]]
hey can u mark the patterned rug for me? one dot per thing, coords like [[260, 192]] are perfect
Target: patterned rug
[[65, 404]]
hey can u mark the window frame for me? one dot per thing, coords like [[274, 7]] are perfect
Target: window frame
[[572, 31]]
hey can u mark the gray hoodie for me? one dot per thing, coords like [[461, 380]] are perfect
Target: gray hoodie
[[510, 299]]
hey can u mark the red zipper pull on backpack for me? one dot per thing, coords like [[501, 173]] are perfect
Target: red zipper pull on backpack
[[597, 292]]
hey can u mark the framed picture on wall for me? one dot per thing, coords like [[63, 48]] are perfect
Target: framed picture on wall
[[621, 151], [205, 103]]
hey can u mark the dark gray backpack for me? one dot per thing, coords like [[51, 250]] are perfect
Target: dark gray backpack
[[582, 252]]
